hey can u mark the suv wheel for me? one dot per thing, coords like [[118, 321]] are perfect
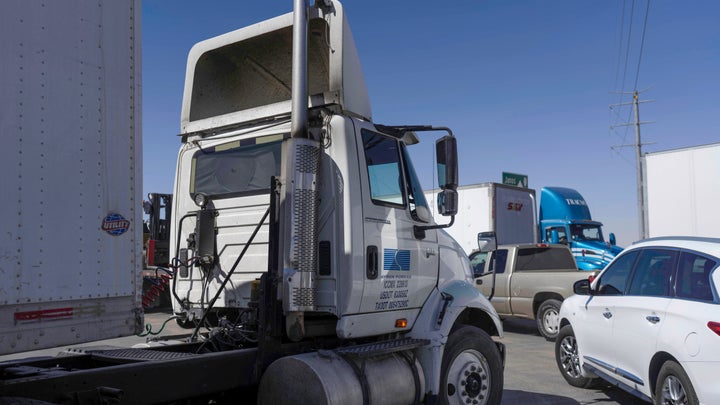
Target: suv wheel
[[568, 359], [674, 386]]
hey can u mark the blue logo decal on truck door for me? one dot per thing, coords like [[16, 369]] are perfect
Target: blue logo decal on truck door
[[396, 259]]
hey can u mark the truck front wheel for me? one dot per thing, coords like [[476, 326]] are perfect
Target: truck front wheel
[[548, 319], [472, 371]]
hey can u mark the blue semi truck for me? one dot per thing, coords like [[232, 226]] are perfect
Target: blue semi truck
[[564, 217]]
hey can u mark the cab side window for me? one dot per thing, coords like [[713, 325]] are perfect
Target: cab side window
[[562, 235], [614, 280], [500, 261], [653, 273], [382, 156]]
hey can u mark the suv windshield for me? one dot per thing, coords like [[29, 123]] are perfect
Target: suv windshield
[[240, 167]]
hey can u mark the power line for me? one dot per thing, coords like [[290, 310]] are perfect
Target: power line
[[642, 44], [620, 42]]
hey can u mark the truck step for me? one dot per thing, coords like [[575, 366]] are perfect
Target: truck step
[[380, 348], [125, 355]]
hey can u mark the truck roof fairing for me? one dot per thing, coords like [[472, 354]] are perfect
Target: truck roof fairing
[[245, 75]]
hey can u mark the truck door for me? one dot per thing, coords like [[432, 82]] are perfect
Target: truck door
[[401, 267]]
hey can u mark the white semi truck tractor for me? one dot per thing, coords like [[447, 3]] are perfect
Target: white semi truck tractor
[[307, 263]]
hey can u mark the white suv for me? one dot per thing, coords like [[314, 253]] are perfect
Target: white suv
[[649, 323]]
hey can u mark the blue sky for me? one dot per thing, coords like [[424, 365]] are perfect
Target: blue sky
[[525, 85]]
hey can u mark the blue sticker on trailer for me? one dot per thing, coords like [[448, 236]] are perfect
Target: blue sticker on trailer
[[396, 259]]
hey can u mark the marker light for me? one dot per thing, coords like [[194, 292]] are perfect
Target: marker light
[[201, 200], [401, 323]]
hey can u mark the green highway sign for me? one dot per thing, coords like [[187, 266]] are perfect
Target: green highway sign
[[514, 179]]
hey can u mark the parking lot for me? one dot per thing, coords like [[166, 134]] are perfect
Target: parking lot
[[531, 376]]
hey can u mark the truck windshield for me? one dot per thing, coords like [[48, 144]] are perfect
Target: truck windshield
[[240, 167], [586, 232]]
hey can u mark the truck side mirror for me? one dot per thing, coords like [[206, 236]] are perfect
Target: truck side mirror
[[447, 202], [487, 242], [613, 241], [446, 153]]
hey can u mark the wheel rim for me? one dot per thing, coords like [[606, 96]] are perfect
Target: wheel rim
[[569, 357], [673, 392], [468, 379], [551, 321]]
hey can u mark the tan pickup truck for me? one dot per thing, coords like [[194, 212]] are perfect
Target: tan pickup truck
[[530, 281]]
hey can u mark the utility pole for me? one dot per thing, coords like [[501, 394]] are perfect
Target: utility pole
[[641, 198]]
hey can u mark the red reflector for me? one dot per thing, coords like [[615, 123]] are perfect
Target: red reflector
[[44, 314], [150, 252], [715, 327]]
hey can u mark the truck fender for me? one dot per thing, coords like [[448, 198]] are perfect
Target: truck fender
[[453, 304]]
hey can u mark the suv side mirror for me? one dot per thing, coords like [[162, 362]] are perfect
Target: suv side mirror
[[582, 287], [613, 241]]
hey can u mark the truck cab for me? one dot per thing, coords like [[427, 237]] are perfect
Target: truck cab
[[296, 222], [565, 218]]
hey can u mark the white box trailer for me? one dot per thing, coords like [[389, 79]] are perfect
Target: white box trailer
[[508, 211], [682, 188], [70, 207]]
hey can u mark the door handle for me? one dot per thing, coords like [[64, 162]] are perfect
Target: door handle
[[653, 318], [371, 271], [607, 314], [430, 252]]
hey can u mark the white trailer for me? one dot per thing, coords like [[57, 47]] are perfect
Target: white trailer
[[682, 188], [70, 247], [492, 207]]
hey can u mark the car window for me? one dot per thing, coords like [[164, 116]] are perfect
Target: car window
[[653, 273], [500, 261], [693, 278], [544, 258], [615, 278]]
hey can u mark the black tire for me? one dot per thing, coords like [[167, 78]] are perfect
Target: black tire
[[472, 371], [548, 319], [673, 386], [568, 359]]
